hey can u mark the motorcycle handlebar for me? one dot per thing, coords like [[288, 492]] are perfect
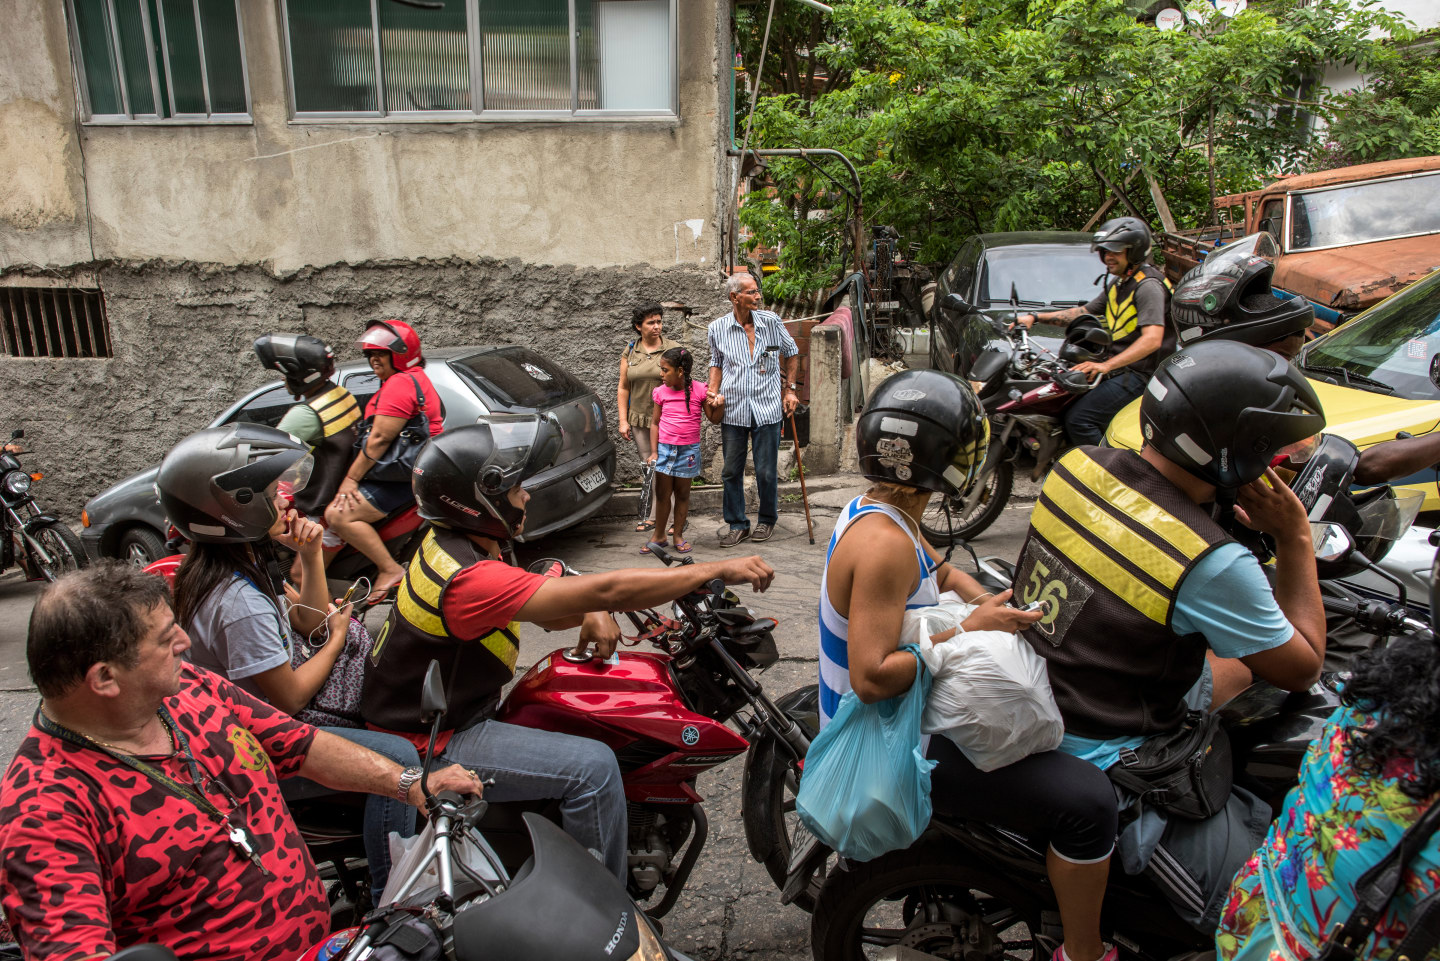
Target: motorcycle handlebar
[[1375, 616]]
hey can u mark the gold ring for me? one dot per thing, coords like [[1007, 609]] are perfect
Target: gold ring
[[473, 774]]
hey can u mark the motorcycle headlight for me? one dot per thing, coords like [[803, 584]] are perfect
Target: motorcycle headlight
[[650, 948], [17, 482]]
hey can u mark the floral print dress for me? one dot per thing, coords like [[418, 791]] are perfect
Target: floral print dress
[[1336, 823]]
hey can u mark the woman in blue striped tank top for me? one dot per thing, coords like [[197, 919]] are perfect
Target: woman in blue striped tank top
[[925, 433]]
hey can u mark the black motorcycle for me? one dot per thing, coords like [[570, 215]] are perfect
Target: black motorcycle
[[38, 542], [970, 890]]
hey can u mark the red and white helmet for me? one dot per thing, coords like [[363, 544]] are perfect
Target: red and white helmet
[[395, 336]]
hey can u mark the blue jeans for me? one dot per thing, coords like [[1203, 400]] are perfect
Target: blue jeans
[[764, 439], [382, 814], [1087, 418], [528, 765]]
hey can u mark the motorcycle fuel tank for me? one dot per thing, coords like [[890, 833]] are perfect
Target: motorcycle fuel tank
[[634, 707]]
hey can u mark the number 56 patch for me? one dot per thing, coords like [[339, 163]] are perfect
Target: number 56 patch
[[1042, 577]]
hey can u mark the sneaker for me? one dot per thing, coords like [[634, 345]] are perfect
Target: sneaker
[[1112, 953], [734, 536], [762, 532]]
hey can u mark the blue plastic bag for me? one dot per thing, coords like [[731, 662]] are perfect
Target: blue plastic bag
[[866, 786]]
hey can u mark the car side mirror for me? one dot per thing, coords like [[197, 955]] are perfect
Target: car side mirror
[[955, 302], [19, 432], [432, 693], [1331, 541], [1435, 371]]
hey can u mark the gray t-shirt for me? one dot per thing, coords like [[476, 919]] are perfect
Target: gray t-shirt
[[238, 633]]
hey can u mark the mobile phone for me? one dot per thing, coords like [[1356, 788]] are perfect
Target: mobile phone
[[1033, 606], [351, 592]]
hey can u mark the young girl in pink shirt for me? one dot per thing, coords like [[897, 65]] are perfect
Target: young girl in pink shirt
[[678, 401]]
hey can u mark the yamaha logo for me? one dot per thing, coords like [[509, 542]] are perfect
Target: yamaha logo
[[690, 735]]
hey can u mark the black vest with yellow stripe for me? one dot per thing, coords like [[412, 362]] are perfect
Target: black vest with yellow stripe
[[474, 668], [1110, 541], [334, 452], [1122, 317]]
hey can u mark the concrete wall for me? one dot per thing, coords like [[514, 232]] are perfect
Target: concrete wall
[[183, 337], [293, 194]]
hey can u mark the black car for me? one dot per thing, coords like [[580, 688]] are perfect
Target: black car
[[473, 382], [996, 276]]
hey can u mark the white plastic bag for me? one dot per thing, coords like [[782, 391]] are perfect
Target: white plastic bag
[[407, 854], [990, 695]]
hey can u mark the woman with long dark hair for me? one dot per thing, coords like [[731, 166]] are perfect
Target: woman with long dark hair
[[1373, 771], [228, 489]]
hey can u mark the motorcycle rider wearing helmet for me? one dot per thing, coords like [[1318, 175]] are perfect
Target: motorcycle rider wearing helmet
[[1139, 582], [1240, 304], [392, 349], [326, 419], [226, 490], [925, 433], [1133, 306], [462, 604]]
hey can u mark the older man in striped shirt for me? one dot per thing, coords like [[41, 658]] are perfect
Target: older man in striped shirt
[[752, 357]]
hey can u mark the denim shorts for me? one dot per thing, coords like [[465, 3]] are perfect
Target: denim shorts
[[386, 497], [678, 460]]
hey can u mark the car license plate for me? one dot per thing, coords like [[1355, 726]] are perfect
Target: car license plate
[[591, 479]]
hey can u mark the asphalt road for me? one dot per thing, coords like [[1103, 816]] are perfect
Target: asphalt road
[[729, 909]]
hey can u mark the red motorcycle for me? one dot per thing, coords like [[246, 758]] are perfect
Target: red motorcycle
[[1025, 388], [665, 712]]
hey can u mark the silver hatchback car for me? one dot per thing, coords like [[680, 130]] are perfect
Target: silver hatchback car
[[473, 382]]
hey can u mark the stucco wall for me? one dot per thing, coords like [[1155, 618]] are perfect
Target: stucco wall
[[294, 194], [183, 338]]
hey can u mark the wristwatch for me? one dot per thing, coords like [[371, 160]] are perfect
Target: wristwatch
[[791, 386], [408, 777]]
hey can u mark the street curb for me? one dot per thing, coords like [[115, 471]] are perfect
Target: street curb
[[625, 501]]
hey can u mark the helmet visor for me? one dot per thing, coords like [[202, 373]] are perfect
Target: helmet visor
[[296, 476], [1383, 520], [523, 446], [379, 337]]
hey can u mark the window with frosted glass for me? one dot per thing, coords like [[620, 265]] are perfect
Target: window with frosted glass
[[398, 57], [160, 59]]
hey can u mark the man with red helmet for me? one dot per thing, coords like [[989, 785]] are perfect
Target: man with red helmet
[[406, 400]]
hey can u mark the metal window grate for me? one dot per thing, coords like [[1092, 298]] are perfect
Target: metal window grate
[[53, 322]]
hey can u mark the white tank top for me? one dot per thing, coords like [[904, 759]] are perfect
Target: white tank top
[[835, 629]]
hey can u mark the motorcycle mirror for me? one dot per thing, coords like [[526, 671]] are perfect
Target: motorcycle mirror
[[145, 952], [1435, 370], [19, 432], [549, 567], [1331, 541], [991, 362], [432, 693]]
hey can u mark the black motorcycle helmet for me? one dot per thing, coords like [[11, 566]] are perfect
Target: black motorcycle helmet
[[1222, 411], [1130, 234], [1085, 340], [1236, 303], [924, 429], [462, 476], [218, 485], [301, 359]]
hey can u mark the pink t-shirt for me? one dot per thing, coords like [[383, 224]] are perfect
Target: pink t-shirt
[[677, 425]]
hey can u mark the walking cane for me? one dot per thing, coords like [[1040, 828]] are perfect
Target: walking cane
[[800, 466]]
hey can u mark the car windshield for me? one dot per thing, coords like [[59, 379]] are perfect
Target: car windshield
[[518, 378], [1040, 275], [1392, 343], [1365, 212]]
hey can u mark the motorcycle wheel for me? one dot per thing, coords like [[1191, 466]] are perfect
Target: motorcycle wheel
[[922, 899], [993, 498], [140, 546], [767, 807], [64, 548]]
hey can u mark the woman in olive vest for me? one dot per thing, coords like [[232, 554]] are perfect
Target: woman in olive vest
[[639, 375]]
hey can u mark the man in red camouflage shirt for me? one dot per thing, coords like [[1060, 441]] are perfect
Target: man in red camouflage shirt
[[144, 807]]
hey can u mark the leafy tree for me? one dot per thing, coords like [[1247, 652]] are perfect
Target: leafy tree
[[969, 116], [1396, 114]]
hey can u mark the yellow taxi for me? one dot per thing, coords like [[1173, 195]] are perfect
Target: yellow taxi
[[1373, 376]]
